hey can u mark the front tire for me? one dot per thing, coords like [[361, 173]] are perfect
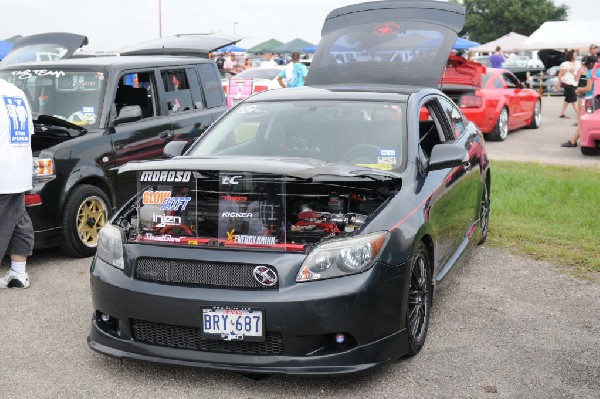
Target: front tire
[[589, 150], [419, 299], [536, 118], [86, 211], [500, 131], [484, 213]]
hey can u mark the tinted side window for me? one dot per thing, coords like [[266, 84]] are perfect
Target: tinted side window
[[211, 85], [511, 81], [177, 90], [498, 84], [454, 117], [137, 88]]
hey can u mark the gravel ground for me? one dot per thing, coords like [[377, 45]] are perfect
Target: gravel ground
[[504, 326]]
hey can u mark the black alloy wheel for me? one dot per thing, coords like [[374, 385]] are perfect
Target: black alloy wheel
[[484, 213], [419, 299]]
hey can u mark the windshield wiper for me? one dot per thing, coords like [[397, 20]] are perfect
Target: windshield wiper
[[52, 121]]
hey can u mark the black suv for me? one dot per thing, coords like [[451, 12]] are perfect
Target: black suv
[[91, 116]]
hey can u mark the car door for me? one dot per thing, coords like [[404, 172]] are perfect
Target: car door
[[142, 137], [186, 104], [513, 95], [451, 213]]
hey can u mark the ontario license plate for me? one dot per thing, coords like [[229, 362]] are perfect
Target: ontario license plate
[[233, 324]]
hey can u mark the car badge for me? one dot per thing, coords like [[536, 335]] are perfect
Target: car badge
[[265, 276]]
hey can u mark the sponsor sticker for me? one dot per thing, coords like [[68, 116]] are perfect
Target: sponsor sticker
[[246, 109], [243, 215], [242, 239], [165, 176], [155, 197], [164, 238], [165, 220], [230, 180], [175, 203], [18, 119]]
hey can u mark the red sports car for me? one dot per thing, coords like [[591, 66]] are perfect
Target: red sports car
[[492, 98]]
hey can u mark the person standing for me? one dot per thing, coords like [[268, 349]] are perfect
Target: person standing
[[231, 63], [586, 91], [498, 58], [594, 50], [294, 73], [16, 162], [568, 80], [268, 61]]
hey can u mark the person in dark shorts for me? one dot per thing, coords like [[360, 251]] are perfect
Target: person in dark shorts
[[567, 78], [16, 163]]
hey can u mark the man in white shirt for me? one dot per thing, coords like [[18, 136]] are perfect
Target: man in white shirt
[[268, 62], [16, 162]]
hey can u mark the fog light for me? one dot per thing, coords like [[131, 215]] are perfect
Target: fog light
[[340, 338], [105, 318]]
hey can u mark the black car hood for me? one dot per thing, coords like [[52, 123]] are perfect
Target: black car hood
[[397, 42], [197, 45], [302, 168], [551, 58]]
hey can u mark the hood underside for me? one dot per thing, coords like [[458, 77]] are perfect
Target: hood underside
[[397, 42]]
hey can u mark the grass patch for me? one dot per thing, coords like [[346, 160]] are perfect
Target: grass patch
[[548, 212]]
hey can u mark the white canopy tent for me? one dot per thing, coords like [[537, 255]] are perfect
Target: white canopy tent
[[510, 42], [564, 34]]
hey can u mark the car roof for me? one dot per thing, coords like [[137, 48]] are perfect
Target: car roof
[[112, 62], [337, 92]]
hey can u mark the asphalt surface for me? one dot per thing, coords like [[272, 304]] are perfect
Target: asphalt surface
[[503, 326]]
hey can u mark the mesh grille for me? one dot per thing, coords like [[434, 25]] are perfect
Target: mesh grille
[[190, 338], [180, 271]]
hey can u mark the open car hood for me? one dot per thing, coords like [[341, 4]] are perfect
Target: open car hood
[[58, 45], [397, 42], [302, 168], [196, 45], [459, 71], [551, 58]]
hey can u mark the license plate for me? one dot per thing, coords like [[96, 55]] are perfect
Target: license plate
[[233, 324]]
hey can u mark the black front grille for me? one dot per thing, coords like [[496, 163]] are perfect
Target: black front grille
[[191, 272], [190, 338]]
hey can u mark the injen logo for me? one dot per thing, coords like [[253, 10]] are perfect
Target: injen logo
[[164, 175]]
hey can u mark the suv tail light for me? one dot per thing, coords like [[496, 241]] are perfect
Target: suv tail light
[[470, 101], [225, 89], [589, 105]]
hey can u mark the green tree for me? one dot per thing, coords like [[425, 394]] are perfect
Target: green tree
[[487, 20]]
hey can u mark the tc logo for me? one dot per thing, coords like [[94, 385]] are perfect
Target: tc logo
[[231, 179]]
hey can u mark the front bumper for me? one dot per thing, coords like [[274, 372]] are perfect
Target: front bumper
[[589, 126], [301, 321]]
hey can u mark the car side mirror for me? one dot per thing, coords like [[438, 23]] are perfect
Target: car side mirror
[[129, 113], [174, 148], [447, 156]]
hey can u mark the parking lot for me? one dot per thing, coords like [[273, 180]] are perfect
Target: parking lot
[[504, 326]]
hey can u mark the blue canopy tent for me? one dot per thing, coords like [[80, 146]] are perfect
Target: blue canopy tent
[[464, 44], [309, 49], [5, 48], [231, 48]]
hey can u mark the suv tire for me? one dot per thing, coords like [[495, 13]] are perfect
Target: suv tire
[[86, 211]]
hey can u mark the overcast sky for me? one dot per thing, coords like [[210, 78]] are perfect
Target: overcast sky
[[114, 24]]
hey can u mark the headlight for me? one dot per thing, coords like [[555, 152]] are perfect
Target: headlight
[[43, 168], [342, 257], [110, 246]]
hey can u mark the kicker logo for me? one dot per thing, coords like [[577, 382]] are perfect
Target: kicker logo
[[236, 215], [230, 179], [165, 175]]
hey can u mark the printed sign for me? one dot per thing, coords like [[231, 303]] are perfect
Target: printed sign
[[18, 120], [166, 176]]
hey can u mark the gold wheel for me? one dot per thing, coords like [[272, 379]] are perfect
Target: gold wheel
[[91, 216]]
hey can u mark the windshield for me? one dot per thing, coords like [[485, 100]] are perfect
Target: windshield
[[259, 73], [75, 96], [369, 134]]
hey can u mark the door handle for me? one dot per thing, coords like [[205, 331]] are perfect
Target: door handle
[[166, 136]]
